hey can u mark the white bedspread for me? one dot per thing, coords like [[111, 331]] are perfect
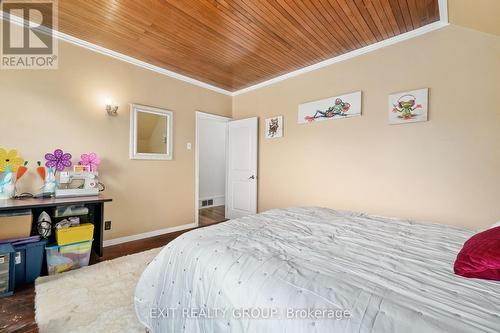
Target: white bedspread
[[389, 275]]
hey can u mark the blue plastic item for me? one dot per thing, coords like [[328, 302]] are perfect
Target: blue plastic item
[[29, 262], [7, 255]]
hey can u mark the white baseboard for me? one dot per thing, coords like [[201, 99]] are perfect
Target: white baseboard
[[149, 234]]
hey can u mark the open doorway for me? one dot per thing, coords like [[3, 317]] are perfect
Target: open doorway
[[211, 138]]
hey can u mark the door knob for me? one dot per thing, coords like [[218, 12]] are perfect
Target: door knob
[[251, 177]]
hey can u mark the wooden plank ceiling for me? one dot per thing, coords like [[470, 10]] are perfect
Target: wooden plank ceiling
[[233, 44]]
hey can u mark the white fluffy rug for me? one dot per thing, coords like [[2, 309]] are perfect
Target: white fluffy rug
[[98, 298]]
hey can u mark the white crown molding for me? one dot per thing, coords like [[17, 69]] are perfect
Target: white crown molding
[[346, 56], [443, 22], [110, 53]]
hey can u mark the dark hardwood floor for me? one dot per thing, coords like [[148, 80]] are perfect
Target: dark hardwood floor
[[17, 312], [211, 215]]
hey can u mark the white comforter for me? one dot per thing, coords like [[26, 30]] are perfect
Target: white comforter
[[371, 274]]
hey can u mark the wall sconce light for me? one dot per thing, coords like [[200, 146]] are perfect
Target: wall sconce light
[[111, 108]]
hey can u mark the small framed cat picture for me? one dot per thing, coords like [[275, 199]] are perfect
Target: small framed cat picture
[[274, 127]]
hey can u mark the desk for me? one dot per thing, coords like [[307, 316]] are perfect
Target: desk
[[95, 205]]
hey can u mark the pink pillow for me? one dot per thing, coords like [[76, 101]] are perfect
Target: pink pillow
[[480, 256]]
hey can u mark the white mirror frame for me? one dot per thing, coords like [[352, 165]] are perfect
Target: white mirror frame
[[134, 155]]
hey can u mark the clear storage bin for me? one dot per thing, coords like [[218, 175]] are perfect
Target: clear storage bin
[[67, 257]]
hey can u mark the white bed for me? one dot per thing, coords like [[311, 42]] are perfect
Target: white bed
[[390, 275]]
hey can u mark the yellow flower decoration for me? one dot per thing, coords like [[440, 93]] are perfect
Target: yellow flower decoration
[[10, 158]]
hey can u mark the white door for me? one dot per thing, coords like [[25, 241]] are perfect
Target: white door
[[241, 193]]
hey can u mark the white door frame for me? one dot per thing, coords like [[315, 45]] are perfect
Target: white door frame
[[200, 115]]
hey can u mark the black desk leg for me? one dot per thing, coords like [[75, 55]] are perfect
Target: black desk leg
[[98, 229]]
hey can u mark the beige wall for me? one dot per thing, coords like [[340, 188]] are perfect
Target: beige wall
[[482, 15], [42, 110], [445, 170]]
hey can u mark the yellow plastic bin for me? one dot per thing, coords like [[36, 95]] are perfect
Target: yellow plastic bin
[[82, 233]]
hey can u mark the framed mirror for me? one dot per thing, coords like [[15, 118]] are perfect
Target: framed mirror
[[150, 133]]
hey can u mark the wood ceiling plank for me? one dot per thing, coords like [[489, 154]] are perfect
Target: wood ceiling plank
[[429, 11], [403, 5], [204, 41], [366, 34], [398, 15], [347, 37], [321, 23], [415, 13], [379, 18], [236, 43], [286, 29], [339, 15], [225, 26], [272, 25], [389, 15], [368, 20], [305, 36], [294, 11]]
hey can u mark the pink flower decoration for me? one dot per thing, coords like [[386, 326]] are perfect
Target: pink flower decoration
[[58, 160], [91, 160]]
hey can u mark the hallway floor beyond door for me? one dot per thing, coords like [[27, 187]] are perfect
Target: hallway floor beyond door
[[212, 215]]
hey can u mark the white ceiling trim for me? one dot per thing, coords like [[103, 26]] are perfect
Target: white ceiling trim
[[120, 56], [443, 12], [443, 22], [346, 56]]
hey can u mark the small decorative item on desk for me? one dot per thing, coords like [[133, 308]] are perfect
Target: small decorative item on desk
[[10, 159], [7, 187], [58, 160], [41, 171], [50, 181], [22, 171], [91, 160]]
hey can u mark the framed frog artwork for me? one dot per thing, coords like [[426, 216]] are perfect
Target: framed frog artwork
[[338, 107], [409, 106]]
